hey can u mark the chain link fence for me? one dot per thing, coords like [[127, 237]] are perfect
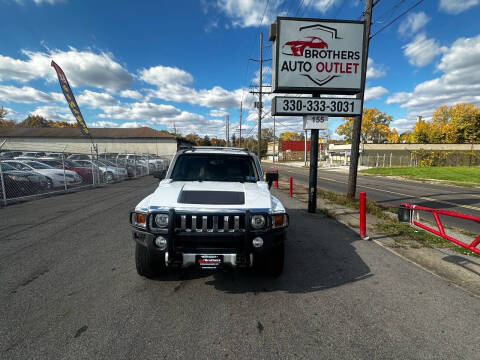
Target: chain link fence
[[420, 158], [29, 174]]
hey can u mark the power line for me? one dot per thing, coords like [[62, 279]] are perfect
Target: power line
[[299, 6], [253, 44], [398, 17]]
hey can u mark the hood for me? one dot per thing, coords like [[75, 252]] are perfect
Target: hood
[[219, 195]]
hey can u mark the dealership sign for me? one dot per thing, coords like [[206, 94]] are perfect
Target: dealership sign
[[314, 55]]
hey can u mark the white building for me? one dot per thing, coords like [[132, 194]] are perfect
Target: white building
[[111, 140]]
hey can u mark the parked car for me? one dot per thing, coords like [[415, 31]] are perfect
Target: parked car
[[6, 154], [108, 171], [79, 157], [84, 171], [20, 183], [211, 209], [30, 155], [55, 177]]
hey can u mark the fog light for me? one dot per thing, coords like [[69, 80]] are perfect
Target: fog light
[[161, 242], [257, 242]]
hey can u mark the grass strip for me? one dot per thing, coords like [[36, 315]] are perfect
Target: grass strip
[[457, 175]]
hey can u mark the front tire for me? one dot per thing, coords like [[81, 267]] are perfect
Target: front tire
[[146, 265]]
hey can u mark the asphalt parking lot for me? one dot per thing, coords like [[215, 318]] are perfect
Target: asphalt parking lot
[[69, 290]]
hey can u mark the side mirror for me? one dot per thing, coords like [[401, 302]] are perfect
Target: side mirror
[[160, 174], [270, 177]]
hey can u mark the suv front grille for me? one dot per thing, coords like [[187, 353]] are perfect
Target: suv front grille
[[213, 223]]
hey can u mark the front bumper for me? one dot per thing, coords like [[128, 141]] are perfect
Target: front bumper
[[235, 248]]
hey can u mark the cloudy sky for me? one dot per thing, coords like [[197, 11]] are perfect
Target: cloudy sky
[[184, 63]]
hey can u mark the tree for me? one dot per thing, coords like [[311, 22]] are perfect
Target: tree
[[375, 126], [34, 121], [61, 124], [287, 136], [205, 141], [421, 132], [450, 124], [3, 119], [393, 137], [407, 137]]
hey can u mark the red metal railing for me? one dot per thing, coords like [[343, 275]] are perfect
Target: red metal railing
[[440, 231]]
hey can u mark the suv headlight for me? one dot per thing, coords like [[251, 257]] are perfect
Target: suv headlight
[[161, 220], [258, 221]]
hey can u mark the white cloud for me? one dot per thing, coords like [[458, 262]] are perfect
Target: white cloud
[[40, 2], [83, 68], [171, 85], [266, 76], [374, 71], [131, 125], [421, 51], [413, 23], [402, 125], [131, 94], [375, 92], [165, 75], [187, 122], [95, 100], [459, 82], [26, 94], [324, 5], [246, 13], [457, 6], [103, 124], [218, 113], [139, 111], [55, 113]]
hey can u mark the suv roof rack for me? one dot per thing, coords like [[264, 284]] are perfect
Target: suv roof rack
[[193, 148]]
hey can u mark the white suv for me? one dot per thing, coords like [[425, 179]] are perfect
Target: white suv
[[212, 208]]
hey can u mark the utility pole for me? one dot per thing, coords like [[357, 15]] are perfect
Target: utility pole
[[260, 105], [227, 129], [357, 124], [240, 139]]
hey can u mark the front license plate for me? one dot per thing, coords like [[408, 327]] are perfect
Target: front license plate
[[209, 261]]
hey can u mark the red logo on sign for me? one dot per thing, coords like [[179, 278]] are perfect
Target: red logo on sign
[[298, 46]]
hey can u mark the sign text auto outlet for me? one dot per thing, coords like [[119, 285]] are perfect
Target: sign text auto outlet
[[312, 55]]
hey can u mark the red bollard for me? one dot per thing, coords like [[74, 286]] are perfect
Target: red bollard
[[363, 218], [290, 190], [275, 183]]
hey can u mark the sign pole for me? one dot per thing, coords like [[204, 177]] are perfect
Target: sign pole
[[312, 180], [357, 124]]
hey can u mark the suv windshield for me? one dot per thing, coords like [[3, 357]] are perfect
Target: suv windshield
[[210, 167]]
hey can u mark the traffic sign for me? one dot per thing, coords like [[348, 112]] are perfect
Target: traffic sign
[[318, 122], [283, 105]]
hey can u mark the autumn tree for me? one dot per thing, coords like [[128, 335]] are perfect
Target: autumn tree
[[33, 121], [375, 126], [287, 136], [450, 124], [393, 137], [4, 122]]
